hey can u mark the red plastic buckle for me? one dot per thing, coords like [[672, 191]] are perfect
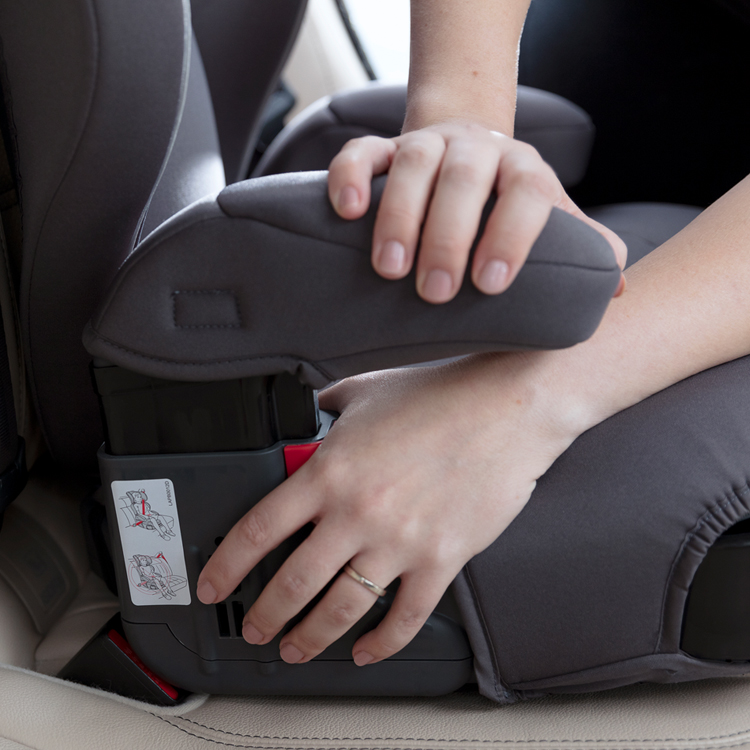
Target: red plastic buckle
[[296, 456]]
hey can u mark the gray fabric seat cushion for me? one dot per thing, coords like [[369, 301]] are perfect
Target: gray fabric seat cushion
[[587, 587]]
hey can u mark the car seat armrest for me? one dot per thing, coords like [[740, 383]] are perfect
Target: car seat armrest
[[561, 131], [266, 278]]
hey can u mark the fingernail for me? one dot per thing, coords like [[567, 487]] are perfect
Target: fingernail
[[362, 658], [206, 592], [621, 286], [437, 286], [392, 256], [493, 277], [252, 634], [291, 654], [348, 198]]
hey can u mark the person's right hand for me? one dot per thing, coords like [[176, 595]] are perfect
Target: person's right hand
[[439, 179]]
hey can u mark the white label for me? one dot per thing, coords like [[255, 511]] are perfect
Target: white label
[[151, 541]]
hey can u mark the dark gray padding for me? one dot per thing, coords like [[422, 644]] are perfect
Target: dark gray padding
[[644, 226], [559, 130], [93, 90], [586, 588], [562, 132], [268, 279], [245, 44], [194, 167]]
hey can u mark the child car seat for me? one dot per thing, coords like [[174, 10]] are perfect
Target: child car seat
[[145, 325]]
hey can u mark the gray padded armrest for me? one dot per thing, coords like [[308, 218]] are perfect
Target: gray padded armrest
[[267, 278], [561, 131]]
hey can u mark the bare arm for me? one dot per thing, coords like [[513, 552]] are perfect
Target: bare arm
[[465, 443], [687, 309], [464, 62], [454, 151]]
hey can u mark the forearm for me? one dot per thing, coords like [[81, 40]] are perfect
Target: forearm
[[464, 60], [686, 309]]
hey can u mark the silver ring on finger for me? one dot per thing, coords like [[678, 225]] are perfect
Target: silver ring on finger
[[366, 582]]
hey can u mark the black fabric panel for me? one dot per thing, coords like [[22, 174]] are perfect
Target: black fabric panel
[[94, 93], [595, 570], [306, 294], [561, 132], [665, 84], [245, 44]]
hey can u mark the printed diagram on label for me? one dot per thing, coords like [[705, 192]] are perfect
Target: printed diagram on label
[[140, 514], [153, 575], [152, 549]]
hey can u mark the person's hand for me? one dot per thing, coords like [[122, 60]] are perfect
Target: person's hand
[[424, 468], [439, 179]]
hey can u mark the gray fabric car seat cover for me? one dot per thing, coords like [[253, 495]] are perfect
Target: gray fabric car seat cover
[[244, 44], [586, 588], [194, 167], [93, 92], [267, 278]]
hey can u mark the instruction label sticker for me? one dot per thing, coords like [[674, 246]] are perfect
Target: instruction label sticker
[[151, 541]]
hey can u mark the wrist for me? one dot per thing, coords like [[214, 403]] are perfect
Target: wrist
[[442, 103], [524, 390], [557, 392]]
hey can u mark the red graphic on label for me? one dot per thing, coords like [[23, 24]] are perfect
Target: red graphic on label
[[139, 512]]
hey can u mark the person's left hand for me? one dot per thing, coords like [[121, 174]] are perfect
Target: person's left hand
[[424, 468], [439, 179]]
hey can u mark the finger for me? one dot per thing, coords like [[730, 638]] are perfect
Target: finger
[[305, 573], [621, 286], [618, 245], [351, 172], [344, 604], [404, 203], [416, 599], [466, 177], [527, 190], [276, 517]]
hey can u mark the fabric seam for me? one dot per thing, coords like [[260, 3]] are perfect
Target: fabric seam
[[500, 688], [709, 514], [206, 291], [456, 741]]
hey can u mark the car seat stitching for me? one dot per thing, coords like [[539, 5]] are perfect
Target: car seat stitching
[[731, 735], [206, 291], [499, 685], [702, 521]]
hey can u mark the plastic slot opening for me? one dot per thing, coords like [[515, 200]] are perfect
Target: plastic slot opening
[[222, 617], [238, 611]]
